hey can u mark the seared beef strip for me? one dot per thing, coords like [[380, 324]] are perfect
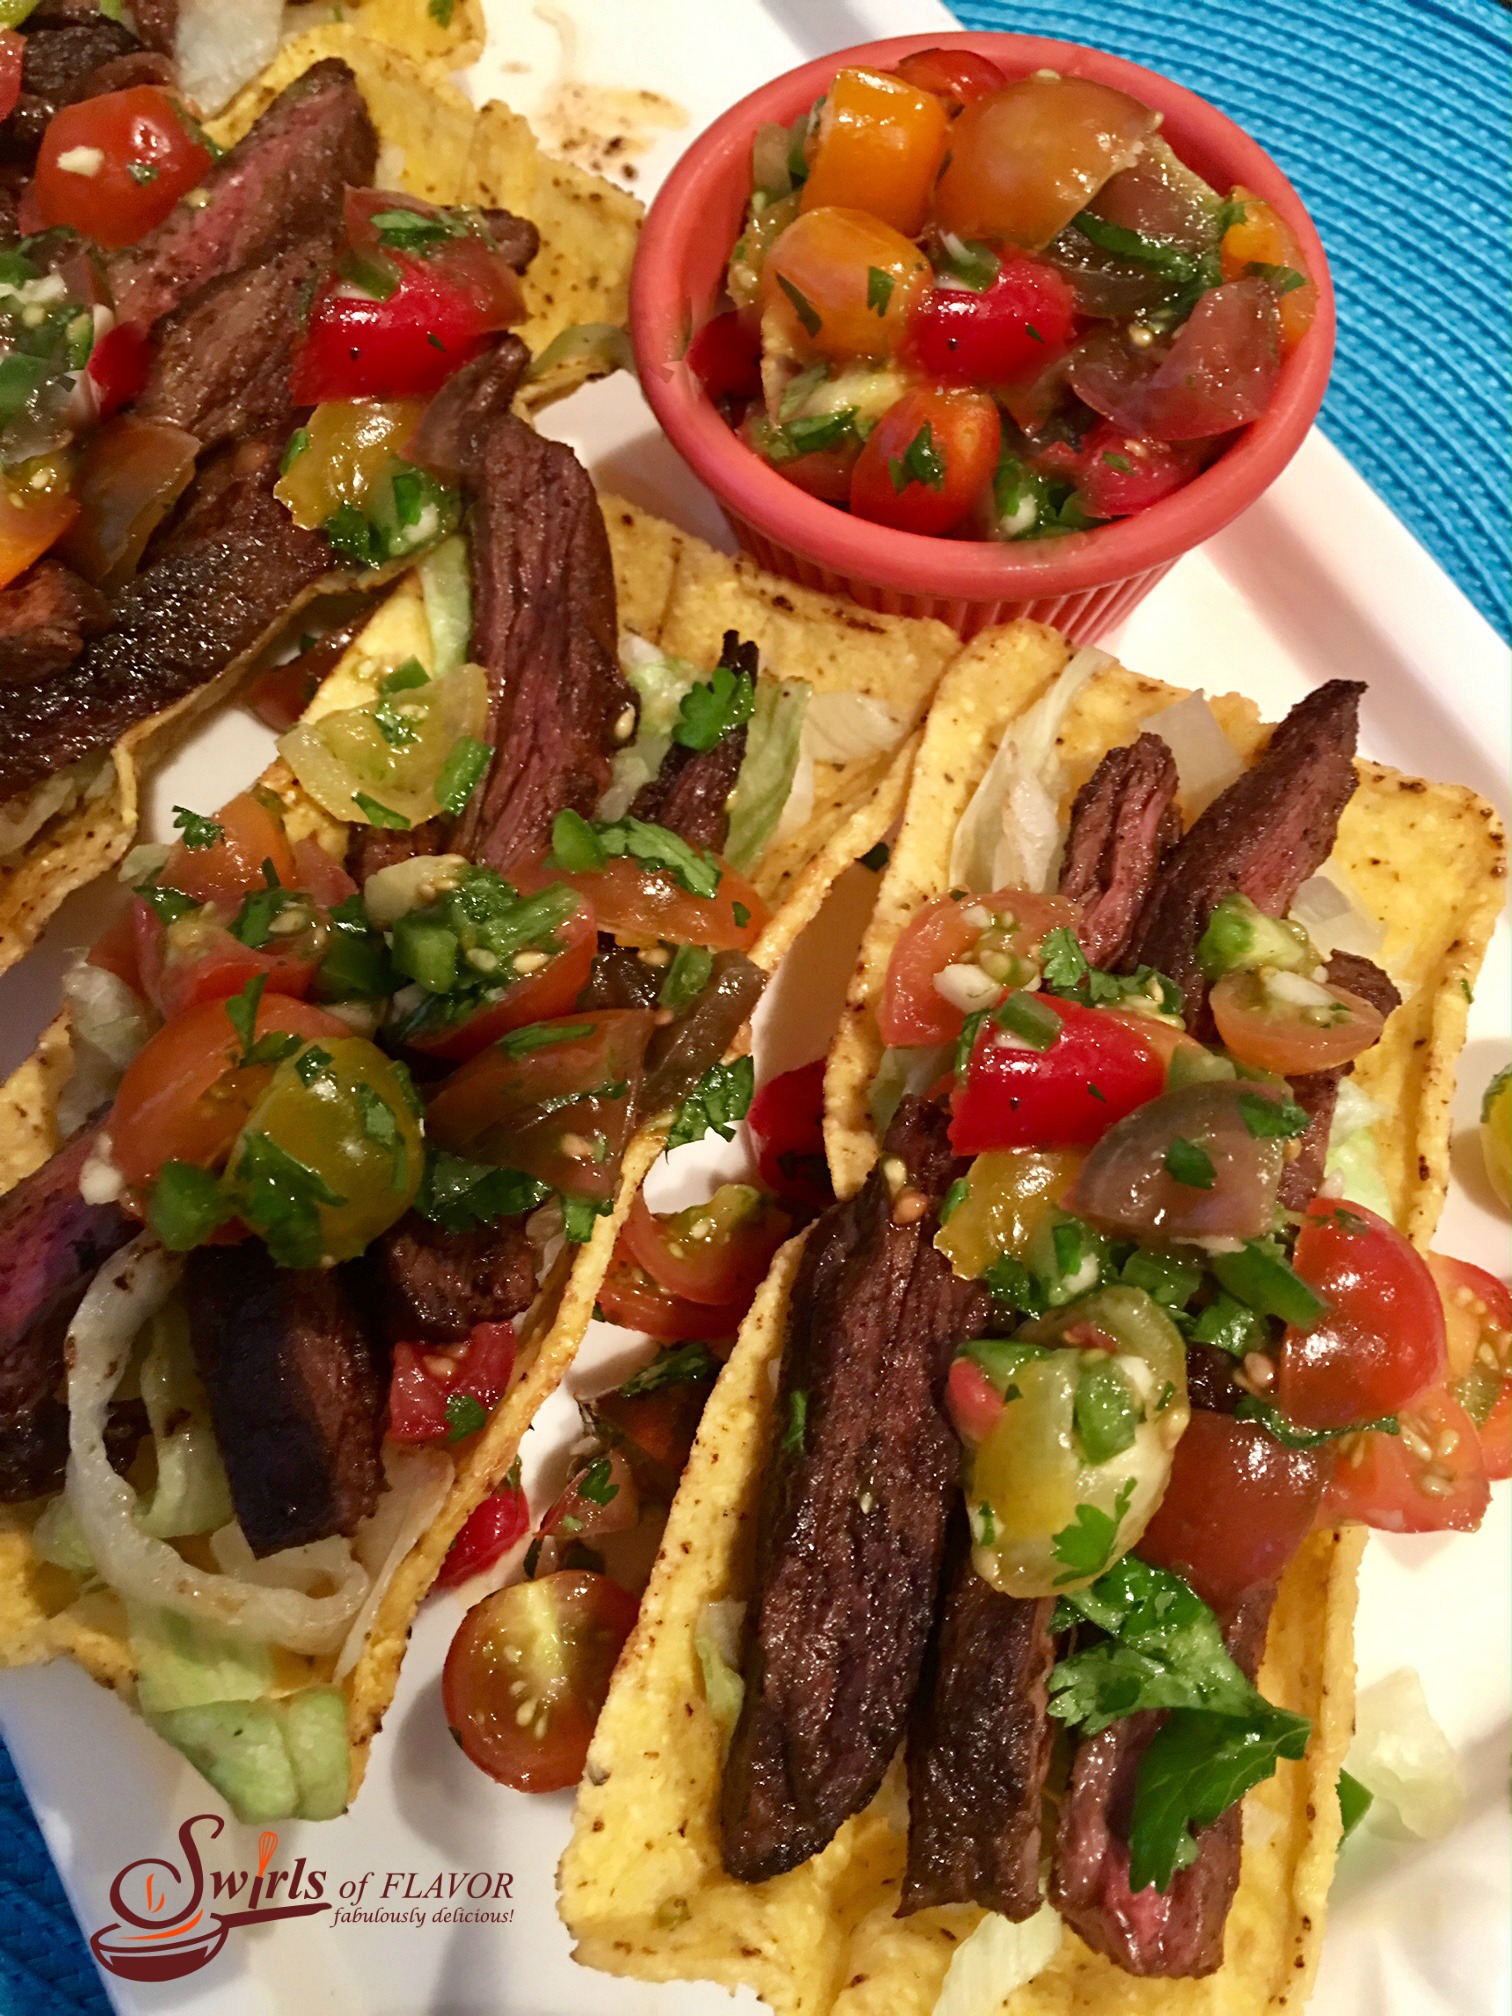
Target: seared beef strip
[[690, 794], [1179, 1933], [282, 180], [296, 1392], [221, 363], [438, 1284], [1272, 828], [51, 1246], [516, 238], [1123, 824], [1317, 1093], [979, 1743], [230, 573], [46, 618], [679, 1053], [859, 1481]]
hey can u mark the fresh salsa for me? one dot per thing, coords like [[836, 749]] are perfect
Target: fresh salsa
[[984, 307]]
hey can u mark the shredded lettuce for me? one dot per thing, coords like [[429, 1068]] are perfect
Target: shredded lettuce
[[998, 1958], [1403, 1758], [269, 1760], [183, 1663], [661, 683], [716, 1639], [1352, 1167], [900, 1072], [447, 589], [59, 1538], [766, 776]]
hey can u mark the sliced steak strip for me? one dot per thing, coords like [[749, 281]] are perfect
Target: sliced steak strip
[[1123, 824], [46, 618], [516, 239], [220, 367], [979, 1745], [1317, 1093], [859, 1482], [216, 592], [58, 63], [690, 792], [52, 1244], [295, 1388], [438, 1284], [1272, 828], [1179, 1933], [282, 179]]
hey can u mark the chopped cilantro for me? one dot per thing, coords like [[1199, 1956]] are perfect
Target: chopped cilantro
[[1271, 1119], [1062, 961], [1086, 1546], [712, 708], [577, 846], [410, 230], [796, 1432], [381, 1126], [186, 1206], [596, 1483], [311, 1065], [1188, 1163], [674, 1365], [581, 1214], [1293, 1436], [403, 677], [954, 1198], [517, 1043], [458, 1194], [465, 1415], [716, 1105], [686, 977], [461, 773], [198, 831], [379, 815], [920, 462], [879, 290], [280, 1198], [803, 308]]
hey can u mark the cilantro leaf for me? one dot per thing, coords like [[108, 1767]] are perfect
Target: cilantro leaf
[[796, 1432], [581, 1214], [1196, 1767], [187, 1204], [1271, 1119], [596, 1483], [1169, 260], [517, 1043], [1292, 1436], [576, 846], [406, 230], [164, 903], [197, 830], [716, 1105], [686, 977], [1188, 1163], [1084, 1547], [465, 1415], [381, 1125], [1062, 960], [920, 462], [803, 308], [879, 289], [457, 1194], [241, 1012], [461, 773], [379, 815], [713, 707], [674, 1365], [296, 445], [280, 1198]]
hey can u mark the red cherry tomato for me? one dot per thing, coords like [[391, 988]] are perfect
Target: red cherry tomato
[[1006, 335], [972, 1401], [117, 367], [488, 1533], [197, 959], [787, 1123], [928, 461], [1380, 1345], [12, 51], [628, 1296], [437, 1395], [1096, 1071], [715, 1253], [1236, 1508], [114, 166], [1478, 1327], [251, 833], [725, 357], [1292, 1038], [599, 1501], [1429, 1478], [655, 1427], [959, 76], [116, 951], [646, 906], [320, 875], [913, 1012], [528, 1672], [535, 997], [1117, 473]]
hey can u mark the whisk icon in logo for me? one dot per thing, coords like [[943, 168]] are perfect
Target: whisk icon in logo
[[162, 1929]]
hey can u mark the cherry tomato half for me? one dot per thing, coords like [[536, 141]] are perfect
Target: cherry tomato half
[[1429, 1478], [715, 1253], [648, 906], [1381, 1344], [1117, 473], [1261, 238], [114, 166], [1478, 1326], [725, 357], [196, 958], [599, 1500], [29, 523], [787, 1124], [959, 76], [542, 996], [1006, 335], [435, 1394], [1014, 921], [1096, 1071], [879, 147], [251, 833], [928, 461], [1307, 1027], [488, 1533], [840, 283], [1236, 1508], [628, 1296], [655, 1429], [528, 1672]]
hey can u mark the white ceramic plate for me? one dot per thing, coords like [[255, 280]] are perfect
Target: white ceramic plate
[[1316, 580]]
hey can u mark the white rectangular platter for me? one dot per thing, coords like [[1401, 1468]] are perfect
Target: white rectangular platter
[[1316, 580]]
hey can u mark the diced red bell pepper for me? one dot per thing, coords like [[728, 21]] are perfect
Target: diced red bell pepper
[[117, 367], [488, 1533], [787, 1121]]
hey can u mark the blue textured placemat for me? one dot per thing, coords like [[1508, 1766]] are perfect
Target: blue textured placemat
[[1391, 118]]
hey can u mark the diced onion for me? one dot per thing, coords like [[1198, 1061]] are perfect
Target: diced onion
[[121, 1298], [716, 1640], [1332, 917], [966, 987], [219, 48], [1297, 991], [996, 1960], [109, 1024], [406, 885], [1206, 761], [418, 1480], [843, 727], [1400, 1754], [798, 806]]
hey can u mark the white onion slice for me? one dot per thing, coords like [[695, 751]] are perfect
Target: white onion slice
[[1333, 918], [843, 727], [122, 1296], [996, 1960], [1206, 761], [218, 48], [1402, 1755], [418, 1481]]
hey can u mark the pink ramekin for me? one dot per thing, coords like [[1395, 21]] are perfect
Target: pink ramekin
[[1082, 583]]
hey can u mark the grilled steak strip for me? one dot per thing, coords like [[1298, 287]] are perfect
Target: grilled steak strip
[[46, 618], [690, 794], [282, 179], [1317, 1093], [1123, 824], [295, 1388], [437, 1284], [1272, 828], [858, 1485], [516, 239], [1180, 1933], [979, 1745], [234, 567], [220, 368], [51, 1246]]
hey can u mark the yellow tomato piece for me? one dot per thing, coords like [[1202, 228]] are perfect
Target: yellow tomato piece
[[840, 283], [36, 505], [1496, 1135], [1008, 1197], [1262, 237], [880, 145], [350, 447]]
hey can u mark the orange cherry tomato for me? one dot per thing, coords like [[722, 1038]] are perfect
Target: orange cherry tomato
[[880, 145], [114, 166], [959, 76], [928, 461], [1024, 160], [628, 1296], [252, 832], [1262, 237], [840, 283], [715, 1253], [30, 520], [824, 472], [1429, 1478], [1292, 1037]]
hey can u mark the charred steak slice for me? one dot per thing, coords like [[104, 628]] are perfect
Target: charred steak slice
[[282, 179], [979, 1744], [1123, 824], [438, 1284], [690, 794], [51, 1246], [1178, 1933], [516, 239], [859, 1483], [295, 1388], [1264, 835], [230, 574], [60, 59], [46, 618], [1317, 1093], [221, 364]]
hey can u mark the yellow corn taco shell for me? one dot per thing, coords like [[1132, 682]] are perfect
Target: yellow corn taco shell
[[435, 145], [642, 1888], [679, 594]]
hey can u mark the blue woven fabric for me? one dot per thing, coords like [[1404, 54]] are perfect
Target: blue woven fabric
[[45, 1968], [1391, 118]]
